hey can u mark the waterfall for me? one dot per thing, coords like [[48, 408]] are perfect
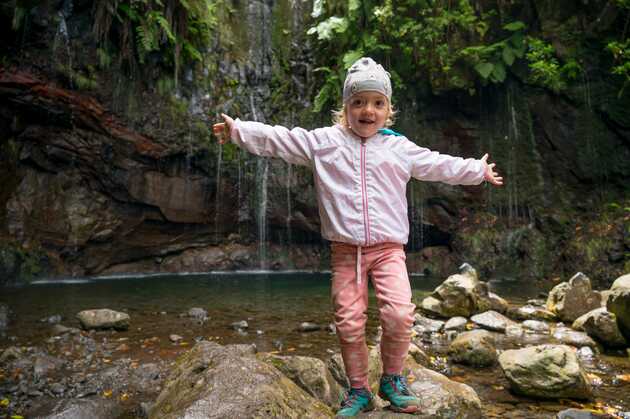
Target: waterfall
[[512, 139], [289, 177], [262, 173], [217, 201]]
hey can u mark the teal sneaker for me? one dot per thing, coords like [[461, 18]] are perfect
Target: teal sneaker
[[357, 400], [393, 388]]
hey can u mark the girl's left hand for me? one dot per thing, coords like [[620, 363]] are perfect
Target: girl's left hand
[[490, 175]]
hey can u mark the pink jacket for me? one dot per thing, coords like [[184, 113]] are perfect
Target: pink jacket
[[361, 184]]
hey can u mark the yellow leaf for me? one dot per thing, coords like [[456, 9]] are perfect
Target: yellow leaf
[[124, 397], [498, 387], [107, 393], [4, 402], [183, 343], [290, 349], [623, 377], [17, 417]]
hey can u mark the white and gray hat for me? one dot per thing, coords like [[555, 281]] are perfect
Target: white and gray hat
[[365, 75]]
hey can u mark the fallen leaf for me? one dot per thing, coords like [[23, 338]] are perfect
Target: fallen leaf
[[623, 377], [107, 393], [124, 397], [4, 402]]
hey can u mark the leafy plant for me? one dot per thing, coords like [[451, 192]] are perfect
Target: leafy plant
[[439, 41]]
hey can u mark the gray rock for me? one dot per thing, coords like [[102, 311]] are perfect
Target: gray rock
[[546, 371], [198, 313], [571, 337], [459, 295], [619, 305], [580, 414], [425, 325], [93, 408], [536, 326], [310, 374], [622, 282], [103, 319], [493, 302], [492, 320], [44, 364], [456, 323], [10, 354], [175, 338], [441, 398], [211, 381], [474, 348], [240, 325], [531, 312], [570, 300], [309, 327], [602, 325]]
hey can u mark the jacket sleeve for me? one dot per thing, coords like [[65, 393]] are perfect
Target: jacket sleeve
[[293, 146], [432, 166]]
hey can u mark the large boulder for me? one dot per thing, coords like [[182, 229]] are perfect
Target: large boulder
[[545, 371], [602, 325], [441, 398], [570, 300], [619, 305], [213, 381], [474, 348], [622, 282], [103, 318], [461, 295], [310, 374]]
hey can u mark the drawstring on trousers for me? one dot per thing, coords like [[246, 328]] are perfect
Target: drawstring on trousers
[[359, 265]]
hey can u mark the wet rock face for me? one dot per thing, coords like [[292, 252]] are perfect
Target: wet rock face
[[602, 325], [619, 304], [547, 371], [570, 300], [203, 385]]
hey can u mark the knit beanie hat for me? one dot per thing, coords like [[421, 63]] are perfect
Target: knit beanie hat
[[366, 75]]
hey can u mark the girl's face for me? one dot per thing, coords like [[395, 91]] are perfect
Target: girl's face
[[366, 113]]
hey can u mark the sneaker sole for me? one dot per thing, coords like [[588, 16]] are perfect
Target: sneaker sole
[[408, 409]]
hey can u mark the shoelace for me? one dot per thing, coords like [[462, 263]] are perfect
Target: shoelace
[[352, 396], [399, 383]]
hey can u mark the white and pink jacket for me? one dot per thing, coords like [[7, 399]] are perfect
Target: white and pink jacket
[[361, 184]]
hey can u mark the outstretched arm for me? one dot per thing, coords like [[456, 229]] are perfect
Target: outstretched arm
[[490, 175], [293, 146]]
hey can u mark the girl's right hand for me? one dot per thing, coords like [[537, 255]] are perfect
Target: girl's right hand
[[223, 129]]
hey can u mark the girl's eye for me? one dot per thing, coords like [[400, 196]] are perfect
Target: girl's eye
[[380, 103], [357, 102]]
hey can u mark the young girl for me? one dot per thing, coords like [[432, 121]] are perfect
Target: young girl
[[361, 170]]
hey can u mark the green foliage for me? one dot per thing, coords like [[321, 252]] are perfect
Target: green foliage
[[621, 54], [546, 69], [177, 30], [441, 41]]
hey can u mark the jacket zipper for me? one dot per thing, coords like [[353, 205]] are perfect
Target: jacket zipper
[[366, 218]]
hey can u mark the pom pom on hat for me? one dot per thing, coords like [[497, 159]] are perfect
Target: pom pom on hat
[[365, 75]]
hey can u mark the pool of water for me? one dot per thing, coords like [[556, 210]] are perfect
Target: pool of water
[[274, 304]]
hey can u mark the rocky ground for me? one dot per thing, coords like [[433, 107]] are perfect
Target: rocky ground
[[474, 355]]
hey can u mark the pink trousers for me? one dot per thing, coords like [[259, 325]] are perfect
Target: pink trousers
[[386, 265]]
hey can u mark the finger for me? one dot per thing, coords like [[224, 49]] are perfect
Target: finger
[[491, 165], [484, 158]]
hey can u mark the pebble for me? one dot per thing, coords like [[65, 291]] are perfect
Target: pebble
[[240, 325], [175, 338], [308, 327]]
